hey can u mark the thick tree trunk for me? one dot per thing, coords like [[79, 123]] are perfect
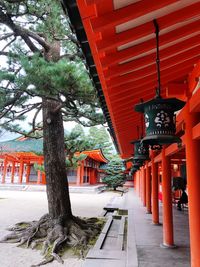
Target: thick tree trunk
[[54, 162]]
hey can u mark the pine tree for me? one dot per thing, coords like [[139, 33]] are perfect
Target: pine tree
[[101, 139], [114, 174], [44, 73]]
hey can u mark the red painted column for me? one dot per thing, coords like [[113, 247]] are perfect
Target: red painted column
[[193, 184], [82, 172], [135, 182], [78, 179], [148, 188], [93, 176], [168, 234], [4, 170], [21, 171], [43, 178], [39, 177], [144, 185], [39, 180], [28, 170], [13, 172], [140, 181], [155, 200]]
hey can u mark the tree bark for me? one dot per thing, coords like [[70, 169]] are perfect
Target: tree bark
[[55, 162]]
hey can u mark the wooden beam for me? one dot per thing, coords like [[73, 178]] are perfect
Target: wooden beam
[[158, 158], [127, 13], [92, 2], [186, 45], [176, 90], [195, 102], [165, 39], [171, 149], [194, 77], [176, 63], [184, 14], [150, 82], [196, 131]]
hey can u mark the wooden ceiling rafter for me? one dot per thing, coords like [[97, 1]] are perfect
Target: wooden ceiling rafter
[[149, 60], [130, 12], [118, 39], [125, 52], [168, 39]]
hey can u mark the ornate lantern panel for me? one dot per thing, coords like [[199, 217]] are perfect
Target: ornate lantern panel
[[160, 120], [141, 150]]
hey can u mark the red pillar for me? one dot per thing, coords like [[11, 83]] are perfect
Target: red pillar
[[38, 177], [13, 172], [21, 170], [148, 188], [43, 178], [155, 200], [80, 173], [28, 170], [78, 179], [93, 176], [193, 183], [144, 185], [168, 235], [4, 170], [136, 182], [39, 180], [140, 184]]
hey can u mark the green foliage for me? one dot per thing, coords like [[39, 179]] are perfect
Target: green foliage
[[75, 161], [39, 167], [44, 61], [101, 139], [114, 174]]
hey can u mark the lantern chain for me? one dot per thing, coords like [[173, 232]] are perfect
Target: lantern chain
[[157, 57]]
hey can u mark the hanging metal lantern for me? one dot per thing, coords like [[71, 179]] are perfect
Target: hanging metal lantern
[[133, 170], [159, 113], [141, 150], [138, 163], [160, 120]]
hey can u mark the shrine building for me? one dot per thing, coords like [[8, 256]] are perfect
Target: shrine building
[[18, 157]]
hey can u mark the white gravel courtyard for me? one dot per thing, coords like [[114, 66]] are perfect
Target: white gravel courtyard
[[17, 206]]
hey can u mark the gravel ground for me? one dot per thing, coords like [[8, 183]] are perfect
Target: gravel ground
[[17, 206]]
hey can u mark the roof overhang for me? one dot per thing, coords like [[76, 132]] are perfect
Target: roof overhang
[[121, 37]]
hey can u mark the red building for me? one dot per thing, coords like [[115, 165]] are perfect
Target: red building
[[18, 157], [119, 42]]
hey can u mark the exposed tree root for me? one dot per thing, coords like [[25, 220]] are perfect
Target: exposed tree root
[[54, 234]]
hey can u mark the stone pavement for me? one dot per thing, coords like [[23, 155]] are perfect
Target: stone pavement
[[148, 236], [143, 242]]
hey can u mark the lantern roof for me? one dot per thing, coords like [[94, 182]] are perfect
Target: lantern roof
[[177, 104]]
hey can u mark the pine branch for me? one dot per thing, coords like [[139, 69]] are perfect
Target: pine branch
[[34, 106], [4, 37], [9, 43], [35, 117], [24, 33], [13, 100], [14, 1]]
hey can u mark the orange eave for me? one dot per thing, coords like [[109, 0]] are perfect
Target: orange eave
[[96, 155], [122, 40]]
